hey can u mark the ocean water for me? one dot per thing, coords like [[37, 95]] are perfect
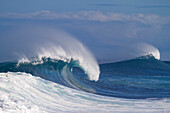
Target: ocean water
[[137, 85], [68, 79]]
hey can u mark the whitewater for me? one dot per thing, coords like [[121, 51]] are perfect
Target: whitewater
[[26, 93], [61, 75]]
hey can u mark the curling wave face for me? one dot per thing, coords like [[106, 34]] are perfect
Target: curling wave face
[[58, 71], [76, 52]]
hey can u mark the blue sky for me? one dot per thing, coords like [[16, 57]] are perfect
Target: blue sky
[[120, 6], [104, 26]]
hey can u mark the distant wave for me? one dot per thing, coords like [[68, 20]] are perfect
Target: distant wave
[[143, 65], [147, 50], [124, 52]]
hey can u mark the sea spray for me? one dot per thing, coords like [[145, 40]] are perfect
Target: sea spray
[[57, 45]]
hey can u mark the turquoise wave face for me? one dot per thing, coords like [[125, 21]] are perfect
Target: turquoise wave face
[[134, 79]]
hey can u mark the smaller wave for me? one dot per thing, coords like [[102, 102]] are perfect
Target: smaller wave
[[146, 51], [143, 65]]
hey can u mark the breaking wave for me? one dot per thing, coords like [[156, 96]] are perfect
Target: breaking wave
[[146, 50]]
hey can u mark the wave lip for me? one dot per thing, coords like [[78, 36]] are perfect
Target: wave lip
[[148, 50]]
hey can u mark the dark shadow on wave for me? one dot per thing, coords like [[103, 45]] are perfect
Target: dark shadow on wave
[[145, 65]]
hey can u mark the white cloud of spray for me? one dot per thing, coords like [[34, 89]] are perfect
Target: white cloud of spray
[[127, 51]]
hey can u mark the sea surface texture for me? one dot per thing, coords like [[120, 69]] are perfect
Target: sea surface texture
[[48, 84]]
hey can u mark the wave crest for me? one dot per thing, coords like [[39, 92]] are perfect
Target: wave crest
[[66, 52], [148, 50]]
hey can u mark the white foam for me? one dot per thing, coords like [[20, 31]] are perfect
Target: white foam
[[10, 99], [24, 93]]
